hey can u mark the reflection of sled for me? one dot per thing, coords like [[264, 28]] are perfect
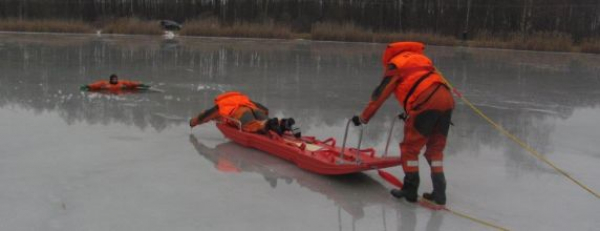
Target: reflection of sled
[[309, 153], [230, 157]]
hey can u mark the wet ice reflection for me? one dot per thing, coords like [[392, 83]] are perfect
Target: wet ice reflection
[[550, 100]]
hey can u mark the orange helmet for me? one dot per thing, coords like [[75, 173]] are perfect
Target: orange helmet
[[396, 48]]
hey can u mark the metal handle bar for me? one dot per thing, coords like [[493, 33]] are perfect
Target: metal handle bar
[[358, 160], [387, 144]]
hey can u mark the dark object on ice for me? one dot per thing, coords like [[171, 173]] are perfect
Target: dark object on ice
[[170, 25]]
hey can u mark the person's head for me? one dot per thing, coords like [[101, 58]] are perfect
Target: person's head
[[114, 79]]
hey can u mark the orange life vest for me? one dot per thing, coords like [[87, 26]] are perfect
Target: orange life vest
[[229, 102], [415, 70], [106, 85]]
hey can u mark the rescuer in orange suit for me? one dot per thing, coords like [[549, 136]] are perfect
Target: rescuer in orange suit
[[428, 106], [253, 116], [114, 84]]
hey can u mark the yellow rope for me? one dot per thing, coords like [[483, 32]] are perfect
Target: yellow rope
[[434, 206], [517, 140], [475, 219]]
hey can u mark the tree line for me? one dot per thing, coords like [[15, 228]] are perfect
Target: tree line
[[577, 18]]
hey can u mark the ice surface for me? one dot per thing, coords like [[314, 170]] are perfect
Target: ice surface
[[89, 161]]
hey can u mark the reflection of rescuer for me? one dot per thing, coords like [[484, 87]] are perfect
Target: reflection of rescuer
[[253, 116], [428, 105], [114, 84]]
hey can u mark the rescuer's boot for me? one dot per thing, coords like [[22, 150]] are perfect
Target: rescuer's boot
[[439, 189], [286, 124], [273, 125], [409, 190]]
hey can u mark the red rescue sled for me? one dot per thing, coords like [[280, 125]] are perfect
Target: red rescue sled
[[309, 153]]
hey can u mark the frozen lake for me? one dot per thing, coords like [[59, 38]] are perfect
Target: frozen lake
[[86, 161]]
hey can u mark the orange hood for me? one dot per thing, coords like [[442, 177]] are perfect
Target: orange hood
[[394, 49]]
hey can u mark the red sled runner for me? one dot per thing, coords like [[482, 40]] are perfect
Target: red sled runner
[[309, 153]]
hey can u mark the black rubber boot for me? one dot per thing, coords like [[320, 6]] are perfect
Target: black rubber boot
[[273, 125], [409, 190], [286, 124], [439, 189]]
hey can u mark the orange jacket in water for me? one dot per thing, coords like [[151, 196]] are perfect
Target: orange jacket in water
[[106, 85]]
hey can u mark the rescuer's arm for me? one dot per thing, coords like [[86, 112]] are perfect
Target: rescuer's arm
[[205, 116], [261, 107], [143, 86], [380, 94], [133, 84]]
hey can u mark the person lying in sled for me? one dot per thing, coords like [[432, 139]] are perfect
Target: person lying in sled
[[253, 116], [114, 84]]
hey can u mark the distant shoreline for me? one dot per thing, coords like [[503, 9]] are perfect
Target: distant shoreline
[[539, 41]]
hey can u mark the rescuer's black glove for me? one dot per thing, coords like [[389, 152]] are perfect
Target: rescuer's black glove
[[356, 120]]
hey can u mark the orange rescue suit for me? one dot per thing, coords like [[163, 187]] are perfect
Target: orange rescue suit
[[106, 85], [238, 106], [422, 92]]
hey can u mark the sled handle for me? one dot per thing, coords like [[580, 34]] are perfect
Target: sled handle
[[360, 136], [389, 138], [387, 144]]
